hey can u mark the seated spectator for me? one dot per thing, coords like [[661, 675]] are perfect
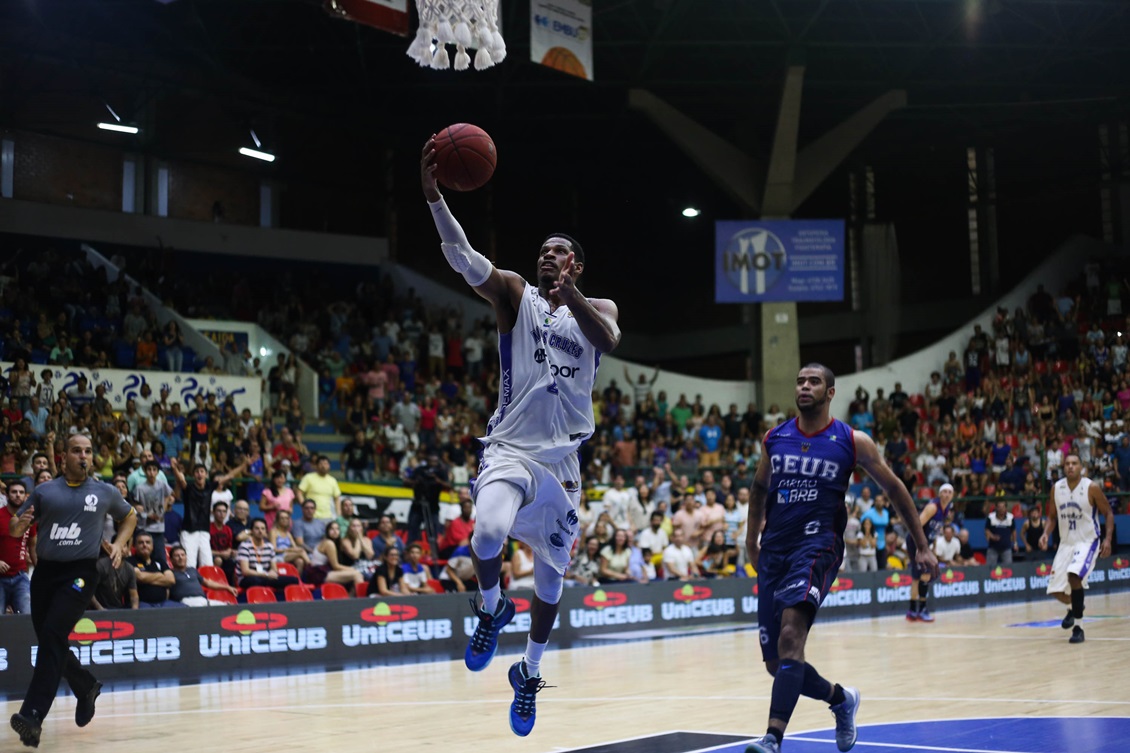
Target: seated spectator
[[117, 586], [307, 531], [154, 579], [256, 559], [416, 575], [386, 537], [458, 531], [286, 548], [276, 497], [239, 522], [679, 559], [459, 572], [967, 555], [947, 547], [222, 542], [326, 565], [357, 549], [584, 570], [387, 575], [188, 587], [714, 557], [1001, 533]]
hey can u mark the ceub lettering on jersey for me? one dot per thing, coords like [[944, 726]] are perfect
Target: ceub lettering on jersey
[[805, 465]]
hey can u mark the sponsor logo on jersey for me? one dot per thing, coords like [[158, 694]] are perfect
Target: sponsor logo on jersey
[[111, 642], [65, 535], [565, 345], [695, 601], [90, 503], [260, 633], [571, 486], [610, 608], [805, 446], [393, 623], [804, 466], [539, 355]]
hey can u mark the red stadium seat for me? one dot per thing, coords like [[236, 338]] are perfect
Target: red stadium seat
[[293, 593], [979, 558], [285, 568], [334, 591], [917, 400], [225, 596], [436, 585], [1061, 366], [925, 493], [372, 534], [1041, 367], [362, 589], [260, 595], [212, 573]]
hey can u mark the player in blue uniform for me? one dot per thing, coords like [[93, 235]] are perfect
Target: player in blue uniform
[[933, 520], [798, 508]]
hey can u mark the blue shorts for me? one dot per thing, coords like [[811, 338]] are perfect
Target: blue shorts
[[787, 579]]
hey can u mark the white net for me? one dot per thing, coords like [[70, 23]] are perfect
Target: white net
[[464, 24]]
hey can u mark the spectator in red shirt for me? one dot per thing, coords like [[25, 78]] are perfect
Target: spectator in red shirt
[[428, 424], [286, 449], [458, 531], [223, 541], [15, 553]]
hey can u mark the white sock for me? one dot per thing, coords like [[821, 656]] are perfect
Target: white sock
[[491, 597], [533, 657]]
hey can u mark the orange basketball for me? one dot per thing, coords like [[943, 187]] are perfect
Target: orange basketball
[[564, 60], [465, 157]]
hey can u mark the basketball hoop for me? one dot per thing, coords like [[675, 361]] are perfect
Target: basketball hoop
[[466, 24]]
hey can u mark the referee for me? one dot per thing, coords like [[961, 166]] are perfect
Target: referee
[[70, 513]]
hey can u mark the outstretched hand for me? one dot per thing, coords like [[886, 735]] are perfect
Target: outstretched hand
[[927, 561], [566, 286], [428, 170]]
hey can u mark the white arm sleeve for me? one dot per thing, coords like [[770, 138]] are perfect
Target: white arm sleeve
[[465, 260]]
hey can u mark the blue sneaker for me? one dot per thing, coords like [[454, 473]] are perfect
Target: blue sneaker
[[767, 744], [522, 710], [845, 719], [484, 641], [925, 616]]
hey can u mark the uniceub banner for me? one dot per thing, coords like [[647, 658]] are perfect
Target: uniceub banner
[[779, 260], [561, 35]]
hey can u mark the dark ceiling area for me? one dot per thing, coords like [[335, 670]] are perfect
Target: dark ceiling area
[[343, 106]]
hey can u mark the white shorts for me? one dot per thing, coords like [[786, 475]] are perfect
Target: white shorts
[[547, 520], [1073, 559]]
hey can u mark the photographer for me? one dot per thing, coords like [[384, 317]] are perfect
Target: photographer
[[427, 480]]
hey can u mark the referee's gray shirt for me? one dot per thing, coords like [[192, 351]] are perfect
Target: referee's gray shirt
[[70, 518]]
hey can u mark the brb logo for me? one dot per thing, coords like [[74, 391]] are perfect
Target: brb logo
[[111, 642], [393, 623], [260, 633], [754, 260]]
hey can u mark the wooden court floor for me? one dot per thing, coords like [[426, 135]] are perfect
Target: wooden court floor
[[968, 664]]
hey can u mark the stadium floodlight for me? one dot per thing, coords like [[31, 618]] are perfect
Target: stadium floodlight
[[118, 127], [691, 212], [265, 156]]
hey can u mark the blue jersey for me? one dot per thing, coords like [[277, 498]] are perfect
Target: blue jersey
[[807, 483], [936, 524]]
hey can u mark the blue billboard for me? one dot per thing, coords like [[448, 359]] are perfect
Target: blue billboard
[[778, 260]]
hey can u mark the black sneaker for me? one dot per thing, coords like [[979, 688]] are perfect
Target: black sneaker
[[1068, 621], [1076, 635], [28, 728], [84, 711]]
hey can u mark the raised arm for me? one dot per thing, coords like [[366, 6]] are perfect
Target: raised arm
[[178, 472], [867, 455]]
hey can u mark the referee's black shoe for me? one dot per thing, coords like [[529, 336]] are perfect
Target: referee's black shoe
[[84, 711], [28, 728]]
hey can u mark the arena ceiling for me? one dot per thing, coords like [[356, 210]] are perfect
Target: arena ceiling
[[337, 101]]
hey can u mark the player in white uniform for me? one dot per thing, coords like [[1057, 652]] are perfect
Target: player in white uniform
[[550, 338], [1078, 502]]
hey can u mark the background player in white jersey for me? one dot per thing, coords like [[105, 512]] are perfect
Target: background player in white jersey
[[550, 339], [1077, 503]]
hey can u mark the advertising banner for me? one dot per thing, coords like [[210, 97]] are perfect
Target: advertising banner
[[222, 339], [781, 260], [189, 645], [122, 384], [561, 35]]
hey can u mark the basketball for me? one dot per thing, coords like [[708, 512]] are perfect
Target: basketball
[[465, 157], [562, 59]]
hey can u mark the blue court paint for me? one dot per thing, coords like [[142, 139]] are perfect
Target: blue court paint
[[1087, 734], [1056, 623]]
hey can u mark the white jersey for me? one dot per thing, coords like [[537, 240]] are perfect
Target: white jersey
[[548, 369], [1078, 519]]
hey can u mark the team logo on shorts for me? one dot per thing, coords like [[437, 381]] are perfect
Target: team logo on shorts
[[556, 540], [571, 486], [571, 517]]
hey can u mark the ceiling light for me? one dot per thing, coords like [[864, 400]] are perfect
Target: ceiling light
[[117, 127], [691, 212], [265, 156]]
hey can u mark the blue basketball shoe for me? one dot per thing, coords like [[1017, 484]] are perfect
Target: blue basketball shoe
[[522, 710], [484, 641], [767, 744], [845, 719]]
